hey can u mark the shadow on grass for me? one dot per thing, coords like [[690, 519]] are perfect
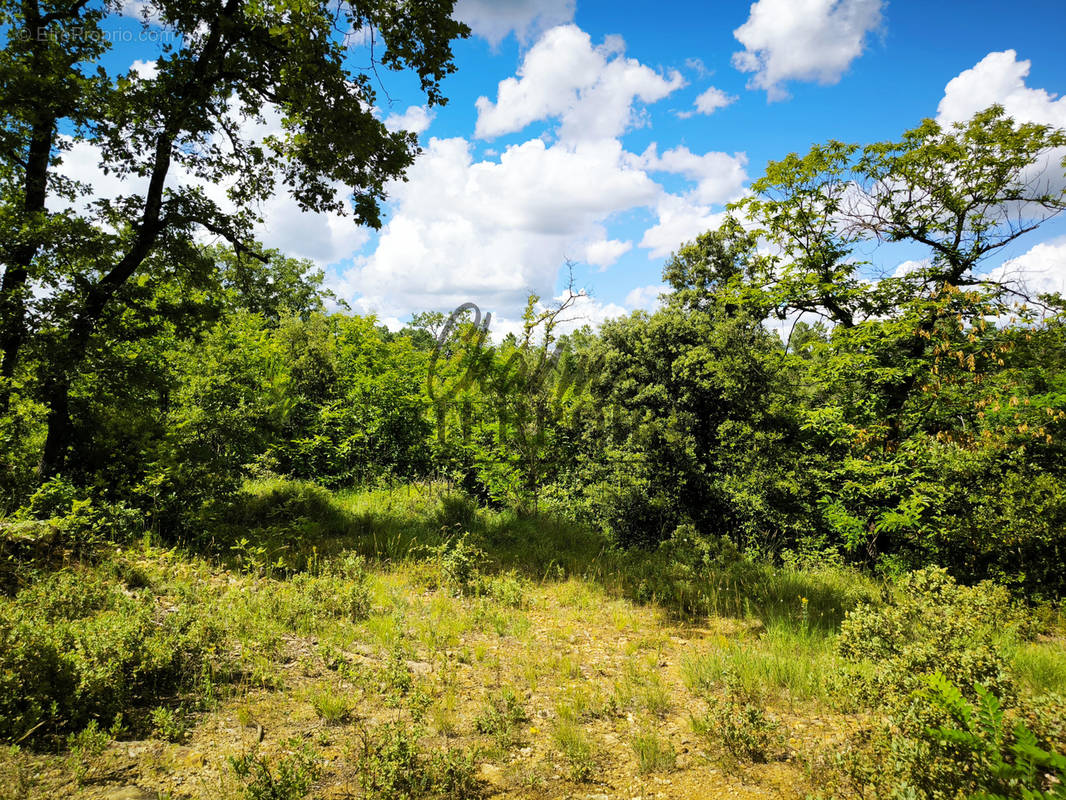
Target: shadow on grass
[[293, 522]]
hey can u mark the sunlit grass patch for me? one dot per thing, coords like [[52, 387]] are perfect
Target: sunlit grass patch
[[653, 752], [786, 661], [1042, 666]]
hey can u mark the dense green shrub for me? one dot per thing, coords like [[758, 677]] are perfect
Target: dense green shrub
[[951, 718], [392, 765], [930, 624], [74, 647]]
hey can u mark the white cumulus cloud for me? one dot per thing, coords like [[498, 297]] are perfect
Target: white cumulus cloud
[[719, 177], [1000, 78], [605, 252], [490, 232], [680, 220], [1041, 270], [416, 119], [712, 99], [496, 19], [804, 40], [590, 89]]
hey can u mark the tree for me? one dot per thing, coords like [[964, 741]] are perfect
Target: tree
[[964, 192], [190, 124]]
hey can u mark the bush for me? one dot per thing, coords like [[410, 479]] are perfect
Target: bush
[[291, 779], [78, 522], [392, 766], [501, 716], [954, 722], [75, 649], [739, 724], [945, 746], [930, 624]]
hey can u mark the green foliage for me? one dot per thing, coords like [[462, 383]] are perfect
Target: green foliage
[[653, 753], [946, 745], [85, 750], [330, 706], [1007, 762], [575, 746], [291, 778], [170, 724], [501, 717], [460, 561], [77, 648], [392, 767], [739, 724], [932, 624]]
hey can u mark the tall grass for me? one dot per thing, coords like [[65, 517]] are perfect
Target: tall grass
[[290, 519]]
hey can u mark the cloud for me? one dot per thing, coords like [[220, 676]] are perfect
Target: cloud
[[720, 177], [146, 70], [1041, 270], [489, 232], [646, 297], [416, 119], [494, 20], [713, 99], [999, 78], [680, 220], [605, 252], [590, 90], [804, 40]]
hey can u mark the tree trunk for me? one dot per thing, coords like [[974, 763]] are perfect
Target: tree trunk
[[18, 258]]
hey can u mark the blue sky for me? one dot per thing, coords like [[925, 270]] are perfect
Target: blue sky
[[574, 132]]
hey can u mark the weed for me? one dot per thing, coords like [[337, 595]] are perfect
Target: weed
[[331, 707], [654, 754], [501, 717], [170, 724], [392, 766], [18, 780], [574, 744], [85, 751], [291, 779], [741, 727], [396, 677]]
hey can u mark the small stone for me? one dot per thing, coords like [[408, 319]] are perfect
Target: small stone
[[490, 773]]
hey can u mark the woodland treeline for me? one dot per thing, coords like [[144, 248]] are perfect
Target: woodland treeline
[[784, 397]]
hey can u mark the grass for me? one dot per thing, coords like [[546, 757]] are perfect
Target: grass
[[1042, 666], [552, 667], [654, 754], [785, 661]]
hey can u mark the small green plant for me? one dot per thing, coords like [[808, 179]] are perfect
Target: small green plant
[[291, 779], [1009, 760], [396, 677], [18, 780], [460, 561], [85, 751], [170, 724], [574, 744], [392, 766], [331, 707], [654, 754], [506, 589], [741, 727], [501, 717]]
